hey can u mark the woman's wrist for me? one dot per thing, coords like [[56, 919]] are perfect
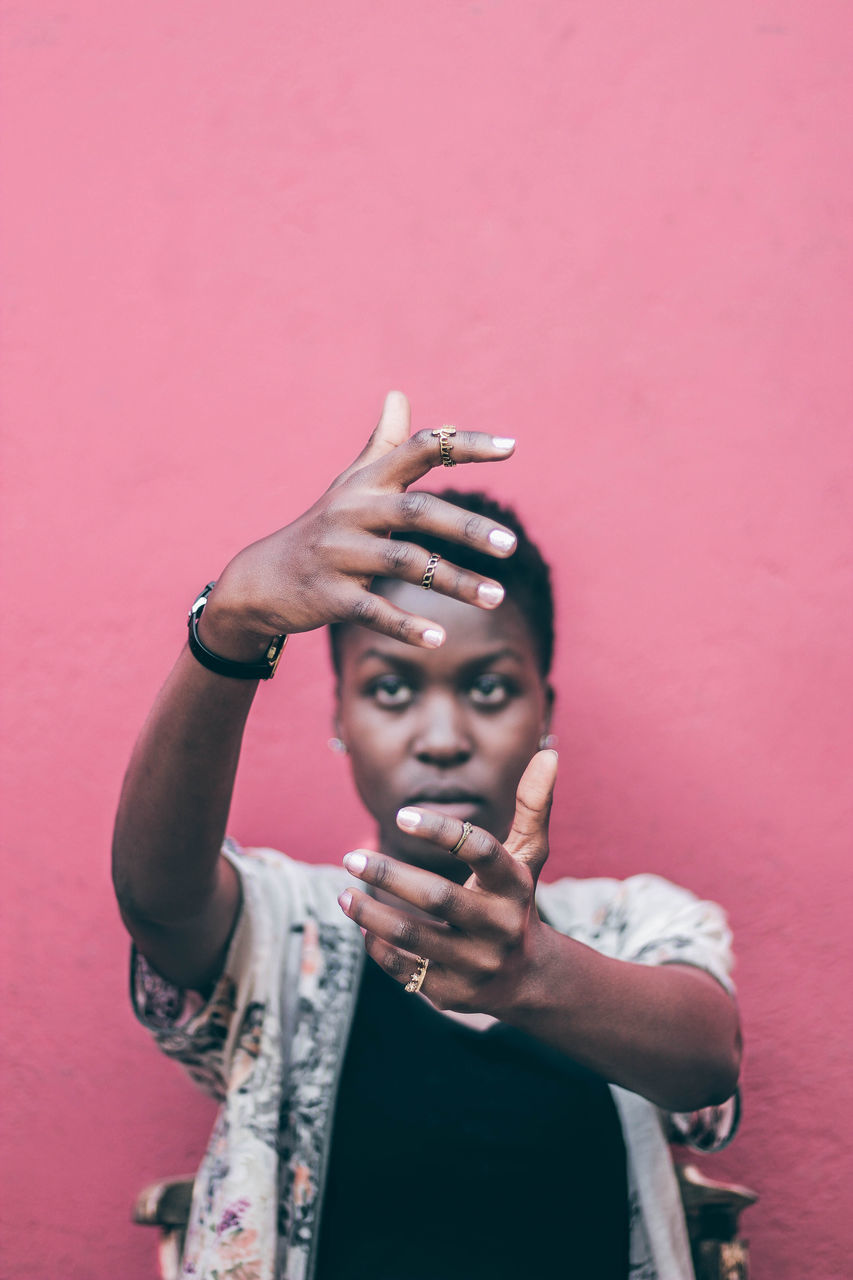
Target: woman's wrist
[[221, 630], [531, 992]]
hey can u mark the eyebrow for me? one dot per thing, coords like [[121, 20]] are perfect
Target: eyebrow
[[405, 664]]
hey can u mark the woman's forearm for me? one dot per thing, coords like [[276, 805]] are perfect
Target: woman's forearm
[[668, 1032], [177, 793]]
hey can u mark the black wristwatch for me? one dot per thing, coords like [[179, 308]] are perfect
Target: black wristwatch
[[263, 670]]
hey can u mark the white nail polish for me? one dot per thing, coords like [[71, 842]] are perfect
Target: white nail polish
[[503, 541], [409, 819], [433, 638], [504, 443], [489, 593], [345, 899], [355, 862]]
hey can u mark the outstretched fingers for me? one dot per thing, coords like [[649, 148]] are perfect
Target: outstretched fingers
[[444, 901], [364, 609], [404, 458], [494, 867], [428, 449], [414, 935], [464, 934], [428, 515], [528, 838], [390, 432], [407, 562]]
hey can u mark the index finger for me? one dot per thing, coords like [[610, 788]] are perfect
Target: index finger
[[426, 449], [492, 864]]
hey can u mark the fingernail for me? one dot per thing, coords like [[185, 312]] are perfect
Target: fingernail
[[504, 443], [433, 638], [489, 593], [409, 819], [503, 541], [345, 899], [355, 862]]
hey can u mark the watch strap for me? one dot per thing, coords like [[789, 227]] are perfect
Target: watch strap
[[262, 670]]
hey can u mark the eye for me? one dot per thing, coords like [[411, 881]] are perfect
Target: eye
[[490, 690], [390, 691]]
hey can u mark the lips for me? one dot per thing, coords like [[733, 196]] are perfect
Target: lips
[[452, 801]]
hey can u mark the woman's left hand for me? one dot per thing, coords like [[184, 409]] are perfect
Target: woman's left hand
[[482, 938]]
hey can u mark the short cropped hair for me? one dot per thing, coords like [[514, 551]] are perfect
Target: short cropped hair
[[525, 575]]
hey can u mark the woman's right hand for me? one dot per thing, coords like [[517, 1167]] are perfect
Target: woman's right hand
[[319, 568]]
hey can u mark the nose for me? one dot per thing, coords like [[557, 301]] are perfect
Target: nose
[[442, 736]]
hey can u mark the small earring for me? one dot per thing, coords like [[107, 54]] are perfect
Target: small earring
[[547, 740], [338, 746]]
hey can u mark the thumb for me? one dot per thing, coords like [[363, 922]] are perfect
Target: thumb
[[528, 838], [391, 430]]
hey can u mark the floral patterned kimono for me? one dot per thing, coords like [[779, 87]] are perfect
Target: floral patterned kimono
[[269, 1044]]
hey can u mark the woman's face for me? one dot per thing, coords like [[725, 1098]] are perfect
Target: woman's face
[[451, 729]]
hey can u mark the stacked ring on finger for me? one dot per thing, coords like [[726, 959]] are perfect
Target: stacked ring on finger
[[417, 979], [466, 831], [429, 572], [445, 445]]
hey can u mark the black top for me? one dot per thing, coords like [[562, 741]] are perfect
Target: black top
[[462, 1153]]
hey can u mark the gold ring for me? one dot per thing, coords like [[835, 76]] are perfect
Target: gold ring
[[466, 831], [429, 572], [417, 979], [445, 444]]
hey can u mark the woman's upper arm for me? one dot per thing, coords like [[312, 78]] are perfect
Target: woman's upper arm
[[191, 952]]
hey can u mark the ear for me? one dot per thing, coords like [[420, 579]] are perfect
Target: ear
[[336, 743]]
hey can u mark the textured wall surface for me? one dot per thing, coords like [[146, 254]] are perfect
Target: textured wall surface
[[620, 232]]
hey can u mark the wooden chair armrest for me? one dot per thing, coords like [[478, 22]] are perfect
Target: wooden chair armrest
[[699, 1193], [712, 1210], [165, 1203]]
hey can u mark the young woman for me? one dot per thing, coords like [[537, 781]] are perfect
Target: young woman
[[483, 1097]]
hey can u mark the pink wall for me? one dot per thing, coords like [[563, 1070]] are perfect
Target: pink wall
[[621, 232]]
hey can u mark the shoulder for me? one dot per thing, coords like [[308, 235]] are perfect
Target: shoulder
[[592, 901], [271, 881], [644, 918]]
